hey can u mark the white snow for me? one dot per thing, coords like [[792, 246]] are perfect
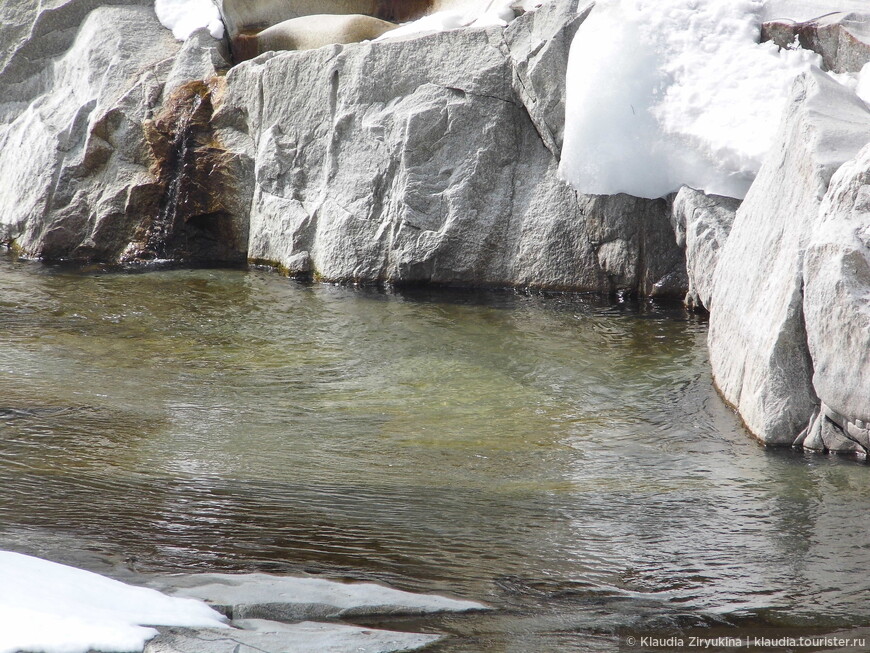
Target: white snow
[[863, 86], [53, 608], [471, 13], [184, 17], [665, 93]]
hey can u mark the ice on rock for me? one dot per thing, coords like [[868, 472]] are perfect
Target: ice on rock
[[666, 93], [53, 608]]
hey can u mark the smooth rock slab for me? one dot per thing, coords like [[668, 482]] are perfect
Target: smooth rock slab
[[837, 298], [269, 637], [758, 343], [289, 599]]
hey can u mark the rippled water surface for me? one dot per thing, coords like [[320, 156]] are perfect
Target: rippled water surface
[[562, 458]]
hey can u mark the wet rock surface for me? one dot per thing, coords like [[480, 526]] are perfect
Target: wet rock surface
[[291, 599], [262, 636], [199, 218], [87, 169], [277, 613]]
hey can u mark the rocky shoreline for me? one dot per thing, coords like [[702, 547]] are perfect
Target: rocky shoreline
[[434, 160]]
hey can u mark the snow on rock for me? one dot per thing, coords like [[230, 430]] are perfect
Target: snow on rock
[[53, 608], [184, 17], [474, 14], [665, 93], [305, 637], [287, 598]]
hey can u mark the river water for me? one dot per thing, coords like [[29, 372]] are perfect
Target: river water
[[563, 458]]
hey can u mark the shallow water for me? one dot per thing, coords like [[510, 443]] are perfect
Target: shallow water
[[562, 458]]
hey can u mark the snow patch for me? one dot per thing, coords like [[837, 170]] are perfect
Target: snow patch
[[470, 14], [184, 17], [53, 608], [666, 93], [862, 87]]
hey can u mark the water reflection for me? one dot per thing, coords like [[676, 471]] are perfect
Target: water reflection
[[561, 457]]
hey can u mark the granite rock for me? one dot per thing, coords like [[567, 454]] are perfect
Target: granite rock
[[418, 161], [841, 38], [758, 340], [836, 273], [79, 177], [701, 225]]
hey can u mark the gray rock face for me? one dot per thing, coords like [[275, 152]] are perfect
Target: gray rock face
[[79, 177], [417, 161], [841, 38], [431, 159], [758, 340], [701, 224], [71, 162], [539, 43], [837, 308]]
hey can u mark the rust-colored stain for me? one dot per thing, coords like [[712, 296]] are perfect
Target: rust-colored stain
[[193, 222]]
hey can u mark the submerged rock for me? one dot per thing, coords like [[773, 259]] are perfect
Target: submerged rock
[[271, 637], [758, 336], [290, 599]]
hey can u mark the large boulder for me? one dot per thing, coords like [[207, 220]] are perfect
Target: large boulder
[[758, 341], [841, 38], [79, 175], [837, 311], [417, 161], [73, 174]]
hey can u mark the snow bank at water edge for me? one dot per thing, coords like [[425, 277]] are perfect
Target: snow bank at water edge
[[53, 608]]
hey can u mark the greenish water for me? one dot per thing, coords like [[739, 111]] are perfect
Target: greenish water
[[562, 458]]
